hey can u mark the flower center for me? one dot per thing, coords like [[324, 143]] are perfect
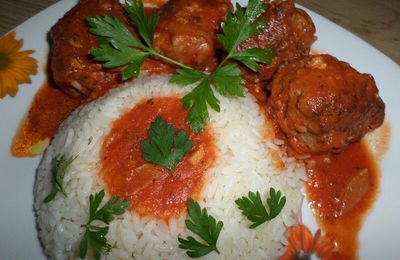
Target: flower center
[[4, 61], [302, 256]]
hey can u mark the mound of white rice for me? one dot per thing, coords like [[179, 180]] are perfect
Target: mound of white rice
[[244, 163]]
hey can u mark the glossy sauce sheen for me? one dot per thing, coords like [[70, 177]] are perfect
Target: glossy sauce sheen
[[154, 190], [340, 192]]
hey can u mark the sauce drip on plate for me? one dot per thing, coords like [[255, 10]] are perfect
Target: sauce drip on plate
[[48, 110], [152, 189], [341, 190]]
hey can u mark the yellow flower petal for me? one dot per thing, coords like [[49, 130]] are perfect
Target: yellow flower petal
[[10, 44], [3, 91], [25, 65], [20, 55]]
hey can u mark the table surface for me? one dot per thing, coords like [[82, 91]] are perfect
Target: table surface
[[376, 21]]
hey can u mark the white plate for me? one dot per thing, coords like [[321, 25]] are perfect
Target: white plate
[[18, 237]]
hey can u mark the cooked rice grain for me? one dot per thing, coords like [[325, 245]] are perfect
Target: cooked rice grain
[[243, 164]]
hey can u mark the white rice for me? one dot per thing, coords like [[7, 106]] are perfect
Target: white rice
[[243, 164]]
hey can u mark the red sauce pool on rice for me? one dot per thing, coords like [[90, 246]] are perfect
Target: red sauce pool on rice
[[152, 189]]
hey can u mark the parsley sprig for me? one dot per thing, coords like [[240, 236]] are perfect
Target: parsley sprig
[[203, 225], [59, 167], [94, 235], [253, 208], [241, 26], [166, 146], [117, 47]]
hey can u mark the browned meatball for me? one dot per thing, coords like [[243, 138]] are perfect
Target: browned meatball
[[322, 104], [73, 68], [186, 31], [290, 33]]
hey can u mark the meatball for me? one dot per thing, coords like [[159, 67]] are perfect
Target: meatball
[[73, 68], [322, 104], [290, 32], [186, 31]]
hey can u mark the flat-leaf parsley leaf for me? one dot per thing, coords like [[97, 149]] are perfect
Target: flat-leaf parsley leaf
[[59, 167], [166, 146], [242, 25], [196, 102], [228, 80], [203, 225], [255, 211], [145, 26], [94, 235], [252, 57]]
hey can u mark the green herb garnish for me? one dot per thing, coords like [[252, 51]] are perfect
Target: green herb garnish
[[203, 225], [59, 166], [95, 236], [241, 26], [253, 208], [118, 47], [166, 146]]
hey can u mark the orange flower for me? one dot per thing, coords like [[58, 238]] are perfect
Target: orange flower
[[15, 66], [302, 244]]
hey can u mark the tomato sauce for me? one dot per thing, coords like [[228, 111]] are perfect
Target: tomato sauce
[[149, 4], [48, 110], [154, 190], [341, 190]]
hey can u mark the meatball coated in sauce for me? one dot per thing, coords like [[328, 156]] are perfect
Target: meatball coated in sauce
[[290, 33], [187, 30], [74, 69], [322, 104]]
